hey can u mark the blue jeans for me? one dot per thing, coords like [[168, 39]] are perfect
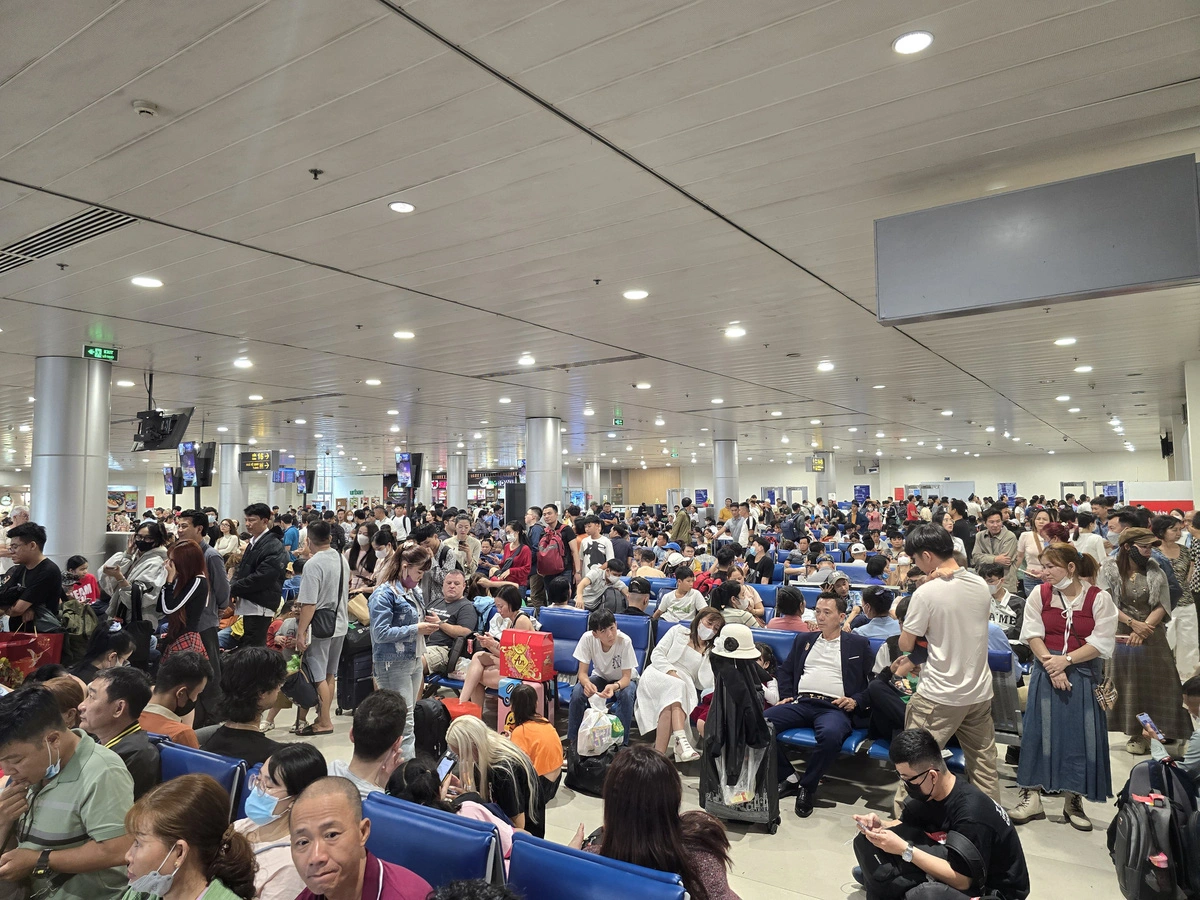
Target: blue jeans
[[621, 705], [404, 677]]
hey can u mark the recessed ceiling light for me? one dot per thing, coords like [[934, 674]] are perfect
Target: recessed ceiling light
[[749, 459], [913, 42], [777, 412], [460, 445], [920, 443], [1114, 421], [458, 453], [587, 410], [302, 421], [1064, 342], [784, 440], [612, 434], [341, 453], [395, 429], [904, 440], [124, 384], [1051, 452], [825, 366], [564, 453], [879, 387], [476, 436], [852, 429], [222, 429], [735, 331], [953, 449], [1063, 398], [908, 457], [938, 447], [813, 444], [401, 206], [629, 448], [242, 362], [660, 421], [483, 421], [146, 281], [947, 412], [704, 429], [337, 446], [636, 295], [395, 449], [1016, 440], [990, 429], [662, 440], [403, 335], [256, 396], [1073, 409], [318, 435], [1082, 369], [252, 441], [506, 400], [643, 385], [526, 360], [814, 421], [373, 382], [665, 450], [879, 434], [717, 400]]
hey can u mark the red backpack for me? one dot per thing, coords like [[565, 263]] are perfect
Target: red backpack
[[552, 552]]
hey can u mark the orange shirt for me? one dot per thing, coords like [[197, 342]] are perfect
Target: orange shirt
[[174, 729], [542, 745]]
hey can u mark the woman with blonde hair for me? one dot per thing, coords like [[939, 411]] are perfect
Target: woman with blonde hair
[[1071, 627], [495, 768], [183, 845]]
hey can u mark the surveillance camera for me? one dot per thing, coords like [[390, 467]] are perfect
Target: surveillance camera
[[989, 443], [1064, 438]]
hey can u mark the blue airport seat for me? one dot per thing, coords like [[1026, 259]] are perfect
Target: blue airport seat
[[806, 739], [244, 792], [777, 576], [766, 592], [541, 870], [956, 762], [779, 641], [811, 593], [439, 846], [856, 570], [568, 625], [178, 760], [1000, 661]]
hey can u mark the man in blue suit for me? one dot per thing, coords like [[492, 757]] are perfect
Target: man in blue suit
[[823, 684]]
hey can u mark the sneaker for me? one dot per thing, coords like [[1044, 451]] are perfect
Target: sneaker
[[1137, 746], [1074, 814], [1028, 808], [684, 751]]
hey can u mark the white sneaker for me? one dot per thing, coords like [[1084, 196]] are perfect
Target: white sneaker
[[684, 751]]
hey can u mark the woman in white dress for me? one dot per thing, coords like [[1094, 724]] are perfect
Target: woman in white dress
[[671, 685]]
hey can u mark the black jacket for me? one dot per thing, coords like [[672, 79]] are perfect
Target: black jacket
[[857, 660], [261, 573]]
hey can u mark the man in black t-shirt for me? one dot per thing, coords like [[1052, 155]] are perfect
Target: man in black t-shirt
[[980, 853], [32, 588]]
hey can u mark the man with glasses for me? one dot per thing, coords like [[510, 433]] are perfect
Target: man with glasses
[[981, 854]]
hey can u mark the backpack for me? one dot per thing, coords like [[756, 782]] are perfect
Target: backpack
[[1154, 839], [79, 623], [611, 598], [552, 553], [485, 607], [788, 528], [705, 582], [586, 773], [431, 720]]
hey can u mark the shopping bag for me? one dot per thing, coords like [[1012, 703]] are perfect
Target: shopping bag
[[596, 731], [527, 655], [744, 788], [25, 652]]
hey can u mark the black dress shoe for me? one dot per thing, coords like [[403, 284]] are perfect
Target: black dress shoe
[[1012, 756], [804, 802], [788, 788]]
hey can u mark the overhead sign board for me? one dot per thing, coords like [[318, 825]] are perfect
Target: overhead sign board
[[617, 423], [108, 354], [255, 461]]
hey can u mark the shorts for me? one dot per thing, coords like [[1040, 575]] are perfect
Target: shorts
[[437, 659], [323, 655]]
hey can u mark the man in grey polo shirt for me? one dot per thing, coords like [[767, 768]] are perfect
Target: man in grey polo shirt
[[65, 803], [325, 585]]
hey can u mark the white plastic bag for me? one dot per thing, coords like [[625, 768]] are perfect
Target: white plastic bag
[[743, 790], [596, 731]]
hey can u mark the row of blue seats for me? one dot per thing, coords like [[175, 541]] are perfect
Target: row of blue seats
[[660, 586], [442, 847]]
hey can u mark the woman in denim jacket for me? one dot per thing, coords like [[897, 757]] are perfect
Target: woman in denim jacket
[[398, 628]]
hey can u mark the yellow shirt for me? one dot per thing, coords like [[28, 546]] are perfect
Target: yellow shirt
[[725, 514]]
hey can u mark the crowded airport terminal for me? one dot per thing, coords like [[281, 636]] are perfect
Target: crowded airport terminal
[[577, 449]]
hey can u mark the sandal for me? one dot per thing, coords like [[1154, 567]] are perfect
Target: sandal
[[266, 727], [295, 729], [310, 731]]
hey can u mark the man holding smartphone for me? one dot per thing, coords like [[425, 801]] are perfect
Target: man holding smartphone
[[459, 619]]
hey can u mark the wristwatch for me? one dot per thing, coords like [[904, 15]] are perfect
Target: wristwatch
[[907, 854], [1069, 660], [42, 868]]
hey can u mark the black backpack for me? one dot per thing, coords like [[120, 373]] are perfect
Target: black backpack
[[1154, 839], [431, 721], [586, 773], [612, 599], [788, 528]]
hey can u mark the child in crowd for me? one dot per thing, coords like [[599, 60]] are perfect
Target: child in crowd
[[768, 663], [81, 584], [681, 604], [291, 587]]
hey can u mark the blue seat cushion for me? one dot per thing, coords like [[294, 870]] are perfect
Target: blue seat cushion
[[539, 870], [806, 739], [439, 846]]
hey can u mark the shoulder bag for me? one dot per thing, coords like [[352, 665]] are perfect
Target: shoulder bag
[[324, 620]]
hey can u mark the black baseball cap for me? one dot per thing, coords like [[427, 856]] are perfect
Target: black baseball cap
[[639, 586]]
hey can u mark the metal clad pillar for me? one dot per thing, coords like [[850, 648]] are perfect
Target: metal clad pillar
[[543, 461], [725, 472]]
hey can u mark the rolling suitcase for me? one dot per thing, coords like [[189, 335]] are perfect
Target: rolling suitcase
[[763, 809], [355, 675]]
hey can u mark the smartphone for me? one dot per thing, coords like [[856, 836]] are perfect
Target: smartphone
[[1149, 723], [861, 827], [446, 765]]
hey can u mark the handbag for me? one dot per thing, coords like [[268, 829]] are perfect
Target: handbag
[[324, 621], [189, 641], [1106, 694], [138, 628], [299, 687]]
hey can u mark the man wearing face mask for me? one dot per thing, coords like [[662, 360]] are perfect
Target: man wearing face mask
[[182, 678], [109, 713], [981, 854], [377, 734], [66, 802]]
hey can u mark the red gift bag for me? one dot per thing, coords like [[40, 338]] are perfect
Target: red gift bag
[[527, 655], [21, 653]]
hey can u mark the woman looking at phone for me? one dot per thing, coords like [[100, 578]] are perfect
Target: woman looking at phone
[[1071, 627], [484, 670]]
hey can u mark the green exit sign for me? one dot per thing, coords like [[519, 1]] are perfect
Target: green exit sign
[[618, 422], [108, 354]]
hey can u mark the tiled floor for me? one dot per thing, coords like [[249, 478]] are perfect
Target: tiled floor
[[811, 858]]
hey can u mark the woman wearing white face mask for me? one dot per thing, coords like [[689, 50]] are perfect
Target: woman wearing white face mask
[[182, 849], [283, 777], [670, 688], [1071, 628], [517, 559], [360, 555], [399, 625]]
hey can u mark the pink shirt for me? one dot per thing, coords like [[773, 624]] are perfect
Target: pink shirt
[[385, 881], [788, 623]]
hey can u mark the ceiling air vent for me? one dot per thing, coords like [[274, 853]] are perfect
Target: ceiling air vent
[[83, 227]]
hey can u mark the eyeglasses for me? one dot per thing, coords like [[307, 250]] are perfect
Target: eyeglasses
[[916, 779]]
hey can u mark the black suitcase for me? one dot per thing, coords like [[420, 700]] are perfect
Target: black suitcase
[[762, 810], [355, 678]]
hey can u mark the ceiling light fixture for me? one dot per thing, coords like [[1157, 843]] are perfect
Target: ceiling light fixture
[[612, 434], [256, 397], [252, 441], [124, 384], [372, 382], [526, 360], [629, 448], [636, 294], [242, 362], [1063, 398], [401, 206], [476, 436], [913, 42], [302, 421], [813, 444], [852, 429], [403, 335], [785, 440], [146, 281], [587, 410], [1073, 409], [814, 421], [947, 412], [318, 435], [879, 387], [395, 429], [506, 400], [717, 401], [643, 385], [1083, 369], [1064, 342], [825, 366], [222, 429], [777, 412], [920, 443], [735, 331], [660, 421], [879, 434]]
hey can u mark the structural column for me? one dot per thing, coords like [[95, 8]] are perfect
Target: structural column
[[827, 480], [456, 482], [725, 472], [591, 483], [1191, 389], [1179, 465], [233, 492], [543, 461], [69, 483]]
